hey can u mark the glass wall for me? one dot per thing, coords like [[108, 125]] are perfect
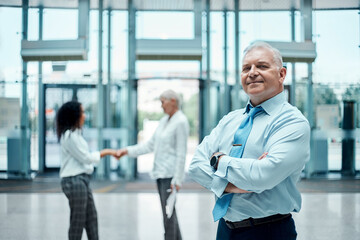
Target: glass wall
[[58, 24], [336, 72], [156, 76], [119, 45], [10, 80], [336, 76]]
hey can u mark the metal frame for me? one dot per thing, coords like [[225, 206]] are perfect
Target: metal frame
[[236, 104], [24, 123], [173, 49], [61, 50], [187, 5], [131, 108]]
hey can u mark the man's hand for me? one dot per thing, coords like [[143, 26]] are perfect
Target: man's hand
[[231, 188], [107, 152], [114, 154], [176, 186], [121, 152], [263, 155]]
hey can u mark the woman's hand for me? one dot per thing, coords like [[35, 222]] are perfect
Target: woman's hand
[[121, 152], [107, 152]]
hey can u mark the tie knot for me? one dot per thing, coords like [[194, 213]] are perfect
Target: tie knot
[[255, 110]]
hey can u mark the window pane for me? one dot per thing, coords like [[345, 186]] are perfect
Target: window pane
[[336, 34], [60, 24], [165, 25]]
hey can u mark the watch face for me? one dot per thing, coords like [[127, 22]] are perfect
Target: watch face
[[213, 161]]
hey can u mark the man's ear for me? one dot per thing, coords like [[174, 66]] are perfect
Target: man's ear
[[174, 102], [282, 75]]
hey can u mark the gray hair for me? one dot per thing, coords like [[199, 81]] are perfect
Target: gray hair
[[259, 44], [170, 94]]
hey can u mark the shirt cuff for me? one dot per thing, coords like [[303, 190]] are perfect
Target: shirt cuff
[[223, 166], [95, 157], [131, 152], [218, 185]]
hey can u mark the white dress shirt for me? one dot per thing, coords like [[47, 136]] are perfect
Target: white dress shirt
[[283, 132], [169, 144], [75, 156]]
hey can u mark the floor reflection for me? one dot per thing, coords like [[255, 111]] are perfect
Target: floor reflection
[[137, 216]]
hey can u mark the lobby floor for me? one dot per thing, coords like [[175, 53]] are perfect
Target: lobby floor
[[137, 216], [130, 210]]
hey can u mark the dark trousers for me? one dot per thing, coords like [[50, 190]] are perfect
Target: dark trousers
[[281, 230], [82, 208], [172, 230]]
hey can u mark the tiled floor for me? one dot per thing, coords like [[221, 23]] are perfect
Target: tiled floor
[[137, 216], [37, 210]]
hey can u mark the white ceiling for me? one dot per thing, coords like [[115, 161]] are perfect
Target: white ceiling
[[185, 5]]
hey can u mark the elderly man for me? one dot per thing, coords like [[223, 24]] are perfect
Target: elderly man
[[253, 158], [169, 144]]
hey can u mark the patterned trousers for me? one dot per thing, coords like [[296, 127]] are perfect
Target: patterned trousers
[[82, 208], [172, 230]]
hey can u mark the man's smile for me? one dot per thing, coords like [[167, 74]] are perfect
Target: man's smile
[[254, 82]]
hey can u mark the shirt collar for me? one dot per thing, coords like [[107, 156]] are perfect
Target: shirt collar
[[269, 105], [174, 115]]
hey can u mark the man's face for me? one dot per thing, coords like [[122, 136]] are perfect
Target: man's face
[[261, 78], [168, 105]]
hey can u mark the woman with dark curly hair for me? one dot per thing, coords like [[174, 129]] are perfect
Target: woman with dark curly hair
[[76, 169]]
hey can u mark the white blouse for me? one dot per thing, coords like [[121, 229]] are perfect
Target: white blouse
[[75, 156], [169, 144]]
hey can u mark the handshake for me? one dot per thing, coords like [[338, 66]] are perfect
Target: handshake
[[113, 152]]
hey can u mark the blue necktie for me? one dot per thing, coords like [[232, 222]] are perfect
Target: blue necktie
[[240, 137]]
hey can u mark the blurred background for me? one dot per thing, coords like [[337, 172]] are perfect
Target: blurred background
[[116, 57]]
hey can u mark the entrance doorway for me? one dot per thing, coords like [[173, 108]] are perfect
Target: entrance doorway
[[150, 112], [55, 96], [87, 94]]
